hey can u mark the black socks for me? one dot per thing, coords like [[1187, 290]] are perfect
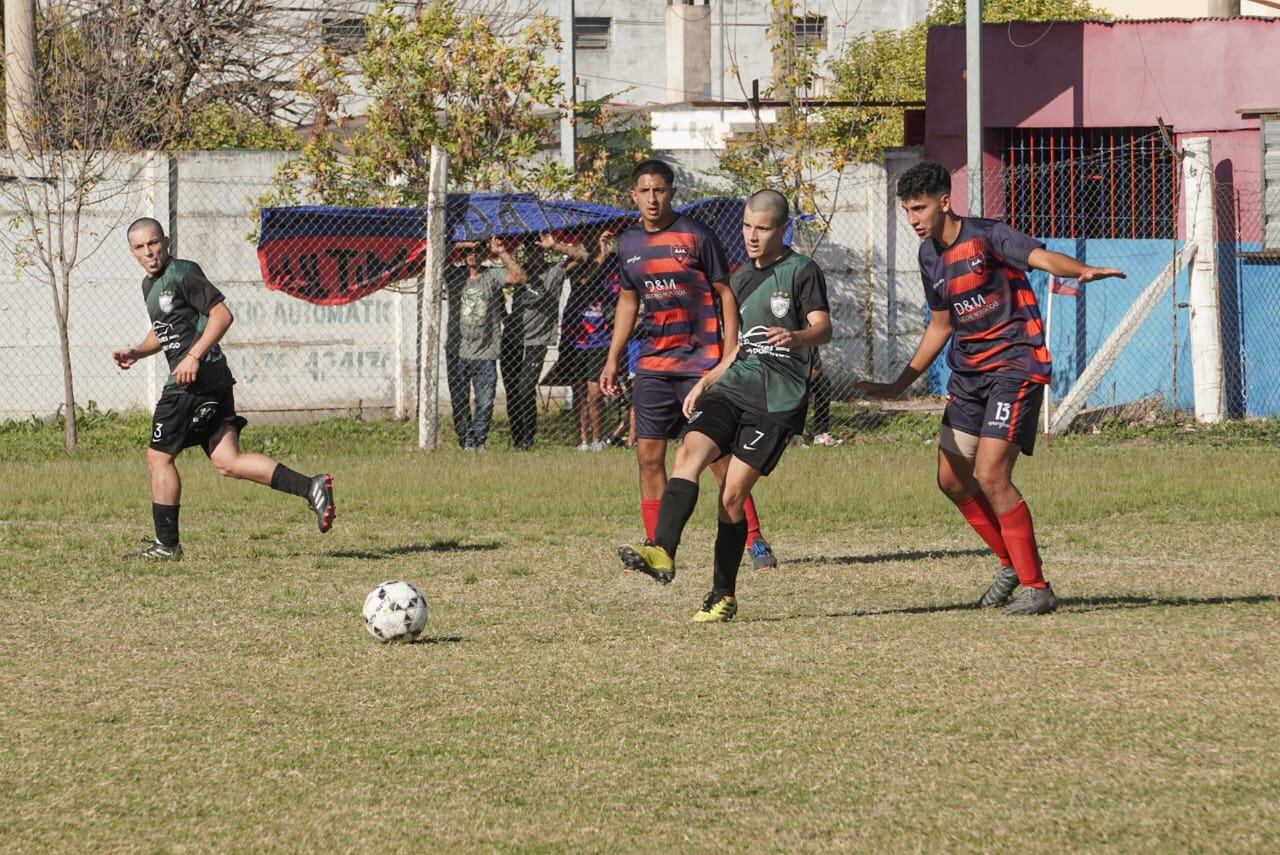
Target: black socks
[[731, 540], [165, 518], [678, 501], [286, 480]]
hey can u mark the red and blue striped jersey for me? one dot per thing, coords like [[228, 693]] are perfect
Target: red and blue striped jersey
[[672, 271], [981, 279]]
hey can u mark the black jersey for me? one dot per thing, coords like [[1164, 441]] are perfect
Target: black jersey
[[179, 299]]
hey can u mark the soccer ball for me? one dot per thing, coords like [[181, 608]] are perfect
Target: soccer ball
[[395, 611]]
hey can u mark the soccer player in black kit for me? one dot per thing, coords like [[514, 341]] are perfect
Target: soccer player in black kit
[[975, 282], [189, 316]]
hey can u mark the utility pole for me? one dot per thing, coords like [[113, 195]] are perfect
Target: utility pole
[[568, 73], [973, 103], [19, 69], [1224, 8]]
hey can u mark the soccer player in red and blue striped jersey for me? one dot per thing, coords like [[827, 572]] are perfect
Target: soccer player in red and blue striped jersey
[[974, 272], [676, 267]]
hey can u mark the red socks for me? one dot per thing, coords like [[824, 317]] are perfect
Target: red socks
[[753, 521], [1020, 537], [982, 519], [649, 513]]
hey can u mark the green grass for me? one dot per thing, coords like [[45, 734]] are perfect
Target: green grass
[[234, 702]]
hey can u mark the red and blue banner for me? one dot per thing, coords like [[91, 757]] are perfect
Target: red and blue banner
[[333, 256]]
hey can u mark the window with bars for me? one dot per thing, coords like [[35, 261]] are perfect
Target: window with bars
[[1089, 182], [345, 35], [1271, 182], [810, 31], [591, 33]]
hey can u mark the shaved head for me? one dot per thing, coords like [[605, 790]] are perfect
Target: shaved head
[[146, 222], [770, 202]]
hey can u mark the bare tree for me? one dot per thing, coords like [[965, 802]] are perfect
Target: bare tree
[[114, 81]]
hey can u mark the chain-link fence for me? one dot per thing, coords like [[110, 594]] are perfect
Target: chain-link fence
[[339, 332]]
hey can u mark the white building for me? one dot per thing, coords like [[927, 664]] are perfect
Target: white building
[[647, 52]]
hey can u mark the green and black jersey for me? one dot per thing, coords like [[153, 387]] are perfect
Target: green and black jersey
[[179, 299], [763, 378]]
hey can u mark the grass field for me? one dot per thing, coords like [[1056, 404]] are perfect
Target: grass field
[[857, 703]]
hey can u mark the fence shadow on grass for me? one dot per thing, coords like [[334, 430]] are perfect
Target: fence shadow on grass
[[884, 557], [413, 549], [438, 639], [1070, 604], [1093, 604]]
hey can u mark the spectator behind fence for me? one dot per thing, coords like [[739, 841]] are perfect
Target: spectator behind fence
[[585, 332], [532, 328], [474, 339]]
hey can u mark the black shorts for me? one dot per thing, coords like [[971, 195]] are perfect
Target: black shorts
[[755, 439], [183, 419], [995, 405], [659, 403]]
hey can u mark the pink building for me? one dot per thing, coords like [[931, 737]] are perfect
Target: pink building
[[1055, 89]]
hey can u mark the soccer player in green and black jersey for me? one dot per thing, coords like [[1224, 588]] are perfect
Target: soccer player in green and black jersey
[[189, 316], [748, 409]]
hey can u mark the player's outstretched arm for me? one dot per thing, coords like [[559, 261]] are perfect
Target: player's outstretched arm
[[126, 356], [931, 343], [1067, 267], [624, 320]]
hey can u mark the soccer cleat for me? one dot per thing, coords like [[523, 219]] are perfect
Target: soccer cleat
[[716, 608], [157, 551], [320, 498], [652, 561], [1033, 601], [762, 557], [1001, 588]]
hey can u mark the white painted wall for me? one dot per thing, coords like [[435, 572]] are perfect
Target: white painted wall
[[296, 359]]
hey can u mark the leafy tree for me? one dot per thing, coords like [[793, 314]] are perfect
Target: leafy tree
[[441, 76], [783, 154], [222, 126], [889, 65]]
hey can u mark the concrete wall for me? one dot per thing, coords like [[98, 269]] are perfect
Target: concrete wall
[[293, 358]]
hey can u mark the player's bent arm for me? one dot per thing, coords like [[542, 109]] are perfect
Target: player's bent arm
[[1067, 267], [817, 333], [220, 320], [129, 355], [935, 337]]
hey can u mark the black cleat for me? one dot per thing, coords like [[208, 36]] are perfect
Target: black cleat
[[1033, 601], [1001, 588], [156, 551], [321, 500]]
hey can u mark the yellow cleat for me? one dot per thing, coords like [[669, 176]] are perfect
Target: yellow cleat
[[652, 561], [716, 608]]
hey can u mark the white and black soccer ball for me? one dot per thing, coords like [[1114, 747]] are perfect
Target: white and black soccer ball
[[395, 611]]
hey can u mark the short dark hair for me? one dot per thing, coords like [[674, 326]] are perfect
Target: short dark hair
[[653, 167], [926, 178], [771, 201], [143, 222]]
